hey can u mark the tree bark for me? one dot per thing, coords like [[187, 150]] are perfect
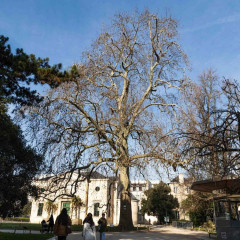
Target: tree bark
[[125, 221], [86, 199]]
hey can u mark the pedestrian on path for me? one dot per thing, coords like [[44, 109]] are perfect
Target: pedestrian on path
[[63, 222], [102, 222], [89, 229], [51, 223]]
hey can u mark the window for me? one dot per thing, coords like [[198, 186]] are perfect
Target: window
[[97, 189], [140, 188], [96, 210], [223, 209], [67, 206], [134, 188], [176, 213], [40, 209], [175, 190]]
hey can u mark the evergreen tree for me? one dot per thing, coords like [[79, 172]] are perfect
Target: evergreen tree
[[18, 163], [199, 206], [19, 70], [159, 202]]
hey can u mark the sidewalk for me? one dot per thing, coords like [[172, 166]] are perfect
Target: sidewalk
[[156, 233]]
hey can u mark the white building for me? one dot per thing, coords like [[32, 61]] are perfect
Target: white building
[[180, 189], [103, 197]]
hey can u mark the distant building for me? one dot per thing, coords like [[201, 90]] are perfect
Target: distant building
[[180, 188], [104, 197]]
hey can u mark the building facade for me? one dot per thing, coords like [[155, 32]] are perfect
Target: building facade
[[102, 195], [180, 189]]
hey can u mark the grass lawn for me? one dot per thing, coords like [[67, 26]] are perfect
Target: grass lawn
[[37, 227], [19, 226], [32, 226], [12, 236]]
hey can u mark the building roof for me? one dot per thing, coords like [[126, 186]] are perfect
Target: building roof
[[94, 175], [188, 180], [176, 179], [230, 185]]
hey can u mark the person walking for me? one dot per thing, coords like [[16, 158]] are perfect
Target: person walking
[[102, 222], [89, 229], [62, 224], [51, 223]]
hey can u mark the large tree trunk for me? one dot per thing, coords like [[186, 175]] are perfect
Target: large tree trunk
[[86, 198], [125, 221]]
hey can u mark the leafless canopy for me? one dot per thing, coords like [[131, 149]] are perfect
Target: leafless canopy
[[119, 108], [116, 108], [209, 133]]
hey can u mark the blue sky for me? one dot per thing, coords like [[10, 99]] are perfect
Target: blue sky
[[61, 29]]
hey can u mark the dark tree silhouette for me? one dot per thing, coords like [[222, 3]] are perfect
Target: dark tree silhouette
[[159, 202], [19, 164], [19, 70]]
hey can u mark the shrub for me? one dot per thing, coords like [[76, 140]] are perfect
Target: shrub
[[198, 218], [18, 219], [209, 226]]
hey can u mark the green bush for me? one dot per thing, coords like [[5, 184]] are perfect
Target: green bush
[[198, 218], [209, 226], [18, 219], [77, 228]]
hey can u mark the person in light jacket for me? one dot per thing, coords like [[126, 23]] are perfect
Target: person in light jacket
[[63, 221], [89, 229]]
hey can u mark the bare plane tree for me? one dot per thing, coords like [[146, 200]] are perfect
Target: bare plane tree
[[209, 130], [118, 110], [228, 127]]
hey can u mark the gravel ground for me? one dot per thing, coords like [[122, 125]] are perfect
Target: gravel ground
[[157, 233]]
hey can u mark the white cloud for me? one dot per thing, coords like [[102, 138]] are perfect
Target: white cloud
[[219, 21]]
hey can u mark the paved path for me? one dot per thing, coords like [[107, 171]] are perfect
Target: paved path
[[157, 233]]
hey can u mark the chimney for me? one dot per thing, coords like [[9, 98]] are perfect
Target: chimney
[[181, 178]]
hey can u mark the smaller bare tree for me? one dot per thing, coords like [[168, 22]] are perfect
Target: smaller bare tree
[[50, 207], [209, 131], [77, 203]]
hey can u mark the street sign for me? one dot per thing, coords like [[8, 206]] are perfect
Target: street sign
[[166, 219]]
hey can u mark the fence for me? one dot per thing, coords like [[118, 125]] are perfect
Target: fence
[[182, 224]]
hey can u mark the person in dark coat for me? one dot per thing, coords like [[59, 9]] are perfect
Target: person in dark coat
[[51, 223], [102, 222], [62, 222]]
